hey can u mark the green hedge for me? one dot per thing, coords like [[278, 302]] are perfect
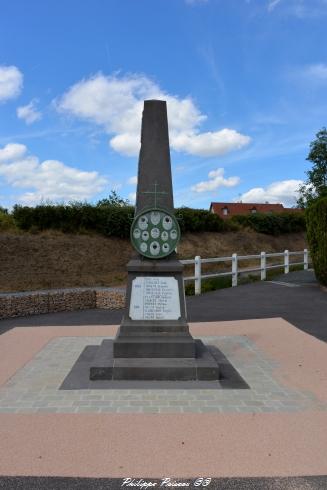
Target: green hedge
[[196, 220], [316, 217], [75, 217], [115, 219], [109, 220], [272, 224]]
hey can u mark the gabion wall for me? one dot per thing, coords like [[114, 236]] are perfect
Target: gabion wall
[[36, 302]]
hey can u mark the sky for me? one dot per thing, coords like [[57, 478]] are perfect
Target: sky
[[245, 83]]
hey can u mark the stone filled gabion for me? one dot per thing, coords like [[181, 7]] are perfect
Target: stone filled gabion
[[112, 301], [37, 302]]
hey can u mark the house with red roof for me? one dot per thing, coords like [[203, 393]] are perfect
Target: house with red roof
[[228, 209]]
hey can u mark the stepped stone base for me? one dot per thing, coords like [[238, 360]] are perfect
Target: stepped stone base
[[201, 367], [154, 346]]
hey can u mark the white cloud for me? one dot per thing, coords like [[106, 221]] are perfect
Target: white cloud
[[11, 82], [308, 9], [316, 72], [211, 143], [196, 2], [29, 112], [302, 9], [132, 180], [284, 191], [49, 180], [116, 104], [12, 151], [126, 144], [310, 75], [216, 180], [272, 4], [132, 197]]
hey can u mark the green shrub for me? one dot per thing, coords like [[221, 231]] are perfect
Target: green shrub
[[109, 220], [197, 220], [6, 221], [316, 217], [271, 224], [117, 221]]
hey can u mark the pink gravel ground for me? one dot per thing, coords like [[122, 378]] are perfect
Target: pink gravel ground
[[173, 445]]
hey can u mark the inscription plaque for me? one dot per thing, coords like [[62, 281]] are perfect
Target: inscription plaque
[[154, 298]]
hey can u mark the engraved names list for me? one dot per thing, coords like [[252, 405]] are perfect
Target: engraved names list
[[154, 298]]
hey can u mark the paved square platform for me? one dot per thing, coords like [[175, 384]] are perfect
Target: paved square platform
[[275, 427], [36, 387]]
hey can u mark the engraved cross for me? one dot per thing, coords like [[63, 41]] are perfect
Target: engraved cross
[[155, 192]]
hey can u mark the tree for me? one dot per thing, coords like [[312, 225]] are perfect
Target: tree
[[316, 184], [113, 200], [316, 218]]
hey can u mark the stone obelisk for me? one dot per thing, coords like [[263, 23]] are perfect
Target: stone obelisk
[[153, 341]]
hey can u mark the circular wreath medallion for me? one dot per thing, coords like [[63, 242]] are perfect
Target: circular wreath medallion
[[155, 233]]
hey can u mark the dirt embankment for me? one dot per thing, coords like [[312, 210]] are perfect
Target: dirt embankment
[[56, 260]]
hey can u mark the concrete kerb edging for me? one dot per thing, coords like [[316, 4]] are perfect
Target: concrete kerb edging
[[51, 301]]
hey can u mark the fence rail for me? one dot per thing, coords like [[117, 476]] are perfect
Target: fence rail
[[235, 270]]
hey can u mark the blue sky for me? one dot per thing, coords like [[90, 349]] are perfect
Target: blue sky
[[245, 83]]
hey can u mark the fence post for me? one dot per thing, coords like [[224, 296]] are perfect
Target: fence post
[[197, 275], [263, 265], [286, 262], [234, 270], [305, 259]]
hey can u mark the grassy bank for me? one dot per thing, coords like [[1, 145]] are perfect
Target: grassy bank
[[51, 259]]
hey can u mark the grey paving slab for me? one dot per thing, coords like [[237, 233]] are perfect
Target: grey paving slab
[[35, 387]]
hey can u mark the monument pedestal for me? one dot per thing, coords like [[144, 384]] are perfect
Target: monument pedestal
[[160, 348], [155, 325]]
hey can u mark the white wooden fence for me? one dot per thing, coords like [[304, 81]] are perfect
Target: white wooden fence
[[235, 270]]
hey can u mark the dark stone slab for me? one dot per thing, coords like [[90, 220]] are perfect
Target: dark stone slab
[[79, 376], [102, 361], [170, 369], [155, 346], [202, 365], [229, 376], [150, 267], [207, 367], [88, 354], [81, 369]]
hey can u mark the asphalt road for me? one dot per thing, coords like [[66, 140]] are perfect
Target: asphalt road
[[57, 483], [296, 297]]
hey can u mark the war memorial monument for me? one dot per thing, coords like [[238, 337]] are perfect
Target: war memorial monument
[[153, 341]]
